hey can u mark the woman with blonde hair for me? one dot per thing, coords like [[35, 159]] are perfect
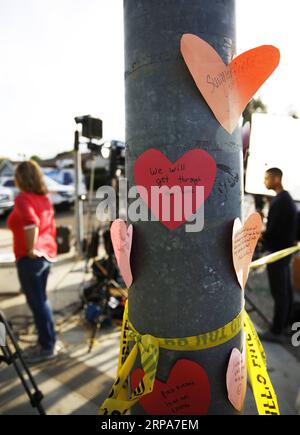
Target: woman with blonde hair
[[34, 232]]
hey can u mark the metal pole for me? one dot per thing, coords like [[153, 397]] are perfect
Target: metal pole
[[90, 226], [78, 201], [184, 283], [90, 199]]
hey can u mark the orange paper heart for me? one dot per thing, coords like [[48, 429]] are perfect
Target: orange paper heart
[[227, 89], [244, 241]]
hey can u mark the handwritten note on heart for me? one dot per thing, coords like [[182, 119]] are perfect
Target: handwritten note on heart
[[194, 169], [236, 378], [244, 241], [121, 238], [227, 89], [187, 391]]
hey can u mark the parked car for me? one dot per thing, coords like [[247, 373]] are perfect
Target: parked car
[[59, 194], [6, 200], [66, 176], [9, 183]]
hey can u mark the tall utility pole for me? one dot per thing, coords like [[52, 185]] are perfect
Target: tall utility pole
[[184, 283], [78, 201]]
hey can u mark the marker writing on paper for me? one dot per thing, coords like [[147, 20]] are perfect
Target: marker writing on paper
[[222, 79]]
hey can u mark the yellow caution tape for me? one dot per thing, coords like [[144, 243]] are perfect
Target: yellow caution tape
[[124, 351], [202, 341], [148, 346], [264, 394], [248, 325], [275, 256], [118, 403], [124, 342]]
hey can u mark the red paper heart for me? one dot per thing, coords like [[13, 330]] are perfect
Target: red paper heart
[[187, 391], [194, 169], [227, 89]]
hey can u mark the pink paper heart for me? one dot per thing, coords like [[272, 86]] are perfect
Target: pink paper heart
[[244, 241], [121, 238], [236, 378]]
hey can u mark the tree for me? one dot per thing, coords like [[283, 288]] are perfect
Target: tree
[[294, 114], [184, 283], [255, 106], [35, 158]]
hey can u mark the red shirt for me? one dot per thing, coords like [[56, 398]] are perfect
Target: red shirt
[[32, 209]]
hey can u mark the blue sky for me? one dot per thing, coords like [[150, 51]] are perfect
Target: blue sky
[[63, 58]]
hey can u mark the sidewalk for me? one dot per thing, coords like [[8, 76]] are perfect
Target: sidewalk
[[284, 372], [78, 382]]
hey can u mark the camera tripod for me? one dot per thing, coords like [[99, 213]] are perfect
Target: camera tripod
[[12, 354]]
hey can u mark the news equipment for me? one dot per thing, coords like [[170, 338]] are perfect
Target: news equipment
[[105, 299], [63, 239], [12, 354], [91, 127]]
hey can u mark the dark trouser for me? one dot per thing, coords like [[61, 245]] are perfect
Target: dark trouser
[[33, 275], [281, 289]]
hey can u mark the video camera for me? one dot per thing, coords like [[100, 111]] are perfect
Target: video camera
[[91, 127]]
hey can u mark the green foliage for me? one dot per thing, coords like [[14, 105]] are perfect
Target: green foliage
[[35, 158], [294, 114], [255, 106]]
